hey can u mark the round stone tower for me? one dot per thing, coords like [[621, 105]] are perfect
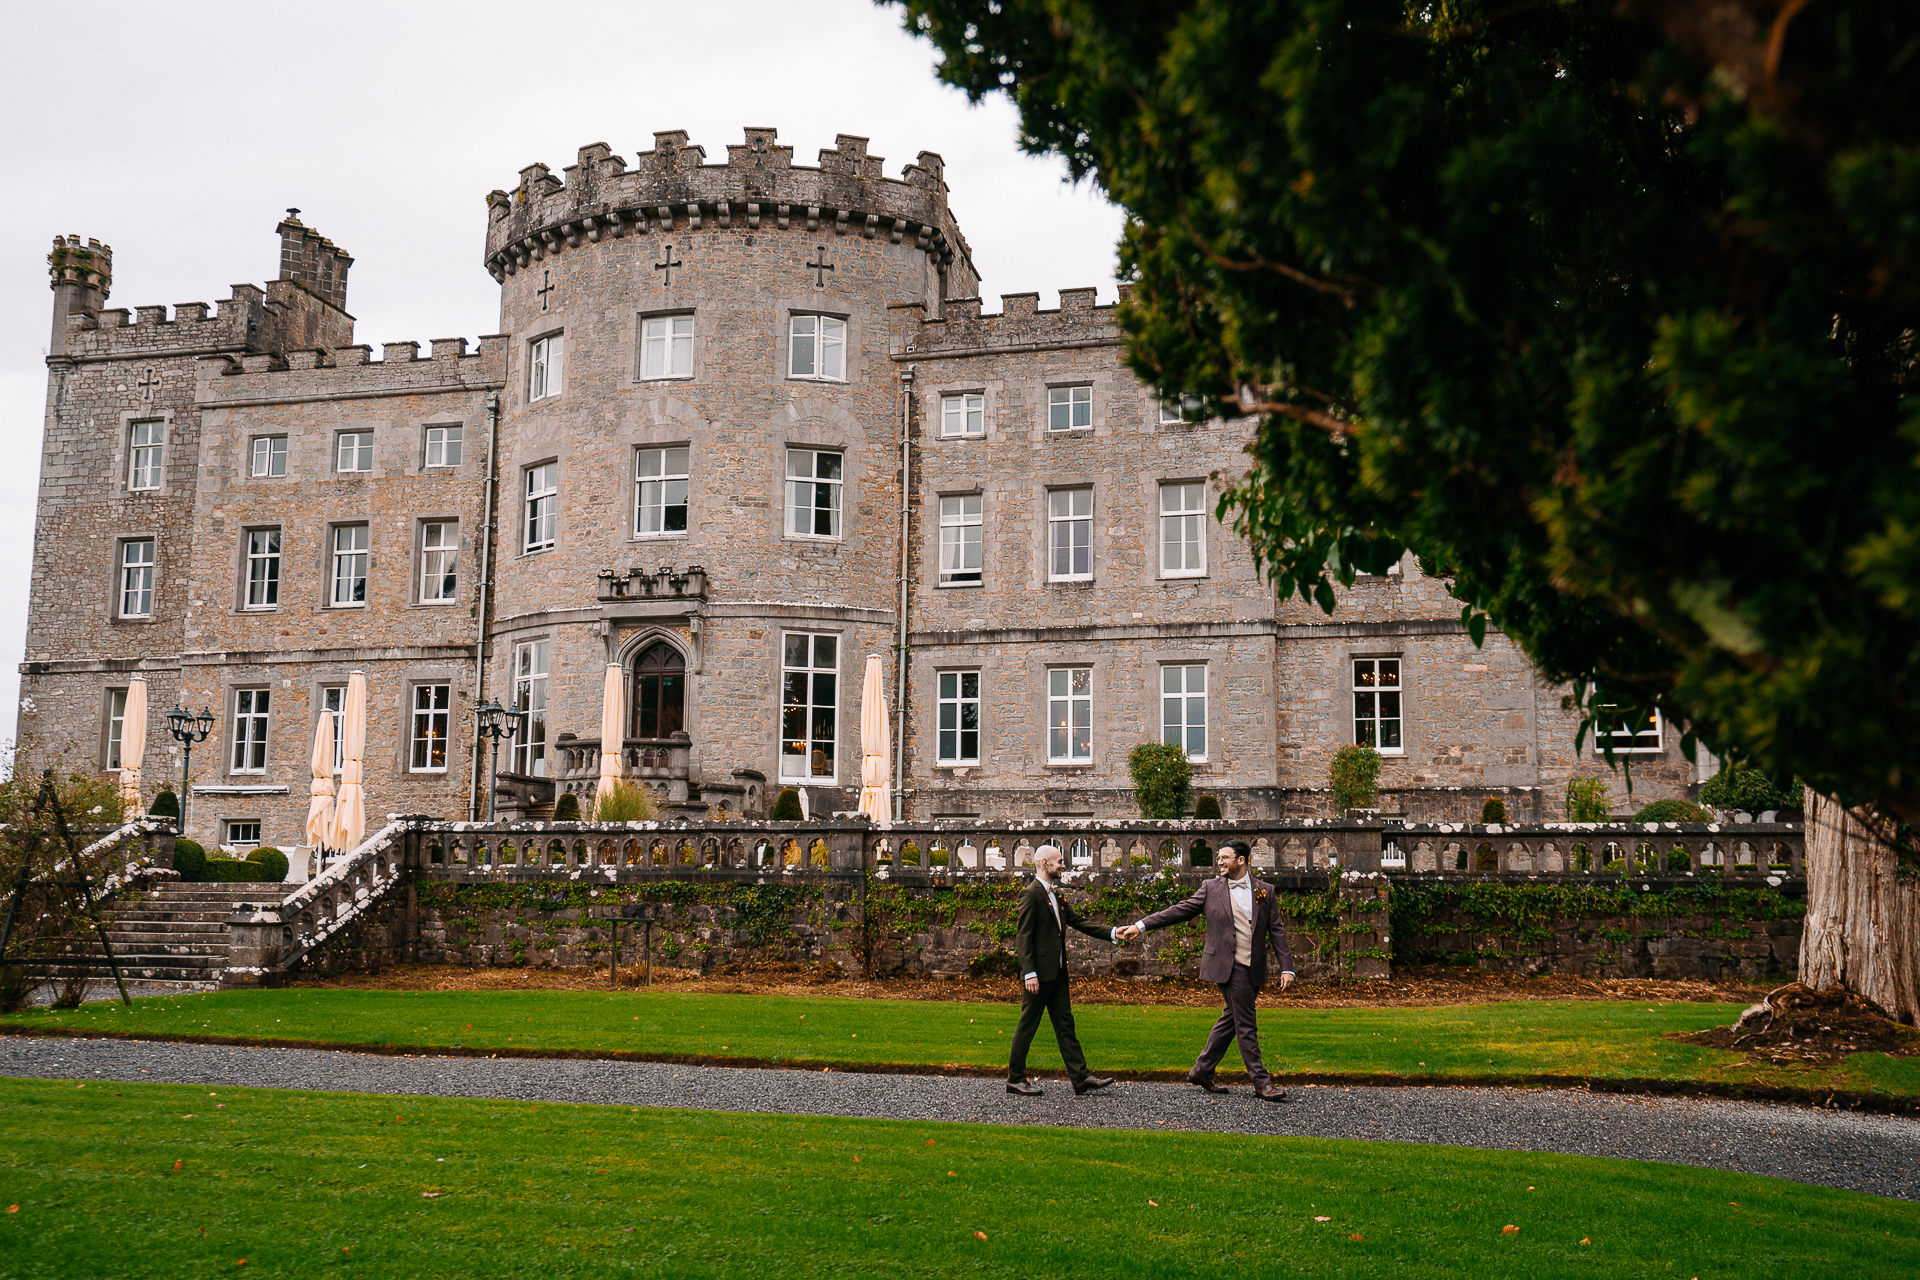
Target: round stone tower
[[698, 459]]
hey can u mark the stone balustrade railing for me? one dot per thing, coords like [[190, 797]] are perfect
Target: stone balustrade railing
[[1112, 849]]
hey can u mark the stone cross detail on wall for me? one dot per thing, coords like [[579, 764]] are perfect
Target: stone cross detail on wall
[[546, 278], [820, 266], [149, 381], [666, 265]]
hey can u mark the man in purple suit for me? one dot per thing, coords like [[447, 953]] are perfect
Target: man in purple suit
[[1243, 922]]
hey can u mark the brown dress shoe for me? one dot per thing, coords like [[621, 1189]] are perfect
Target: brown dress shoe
[[1269, 1092], [1208, 1083], [1025, 1088], [1090, 1083]]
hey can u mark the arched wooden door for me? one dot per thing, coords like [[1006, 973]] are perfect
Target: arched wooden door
[[659, 691]]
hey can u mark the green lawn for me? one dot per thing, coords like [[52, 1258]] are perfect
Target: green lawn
[[347, 1184], [1530, 1039]]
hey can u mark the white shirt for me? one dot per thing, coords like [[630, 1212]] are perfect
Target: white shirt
[[1242, 891], [1054, 902]]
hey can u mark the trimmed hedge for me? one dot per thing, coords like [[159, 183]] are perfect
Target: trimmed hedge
[[272, 862], [1673, 810], [190, 860], [567, 807], [786, 806], [1207, 807], [226, 869], [165, 805]]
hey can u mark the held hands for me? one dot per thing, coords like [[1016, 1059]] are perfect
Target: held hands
[[1127, 932]]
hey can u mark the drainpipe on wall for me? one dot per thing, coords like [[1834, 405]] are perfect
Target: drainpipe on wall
[[900, 650], [482, 605]]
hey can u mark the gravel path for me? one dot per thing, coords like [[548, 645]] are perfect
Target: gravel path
[[1875, 1154]]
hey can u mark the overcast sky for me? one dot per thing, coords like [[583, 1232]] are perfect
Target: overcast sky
[[179, 132]]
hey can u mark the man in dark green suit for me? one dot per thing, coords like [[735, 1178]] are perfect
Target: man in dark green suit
[[1044, 919]]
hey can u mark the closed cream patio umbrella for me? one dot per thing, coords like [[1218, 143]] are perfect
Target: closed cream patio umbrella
[[320, 807], [873, 743], [133, 743], [613, 729], [350, 808]]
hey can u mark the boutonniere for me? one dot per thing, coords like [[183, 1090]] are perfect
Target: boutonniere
[[1259, 895]]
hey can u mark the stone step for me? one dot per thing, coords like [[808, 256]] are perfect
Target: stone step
[[132, 939]]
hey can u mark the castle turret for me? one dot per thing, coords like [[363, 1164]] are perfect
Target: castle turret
[[81, 276], [313, 262]]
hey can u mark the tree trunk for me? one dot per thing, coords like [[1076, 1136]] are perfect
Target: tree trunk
[[1863, 916]]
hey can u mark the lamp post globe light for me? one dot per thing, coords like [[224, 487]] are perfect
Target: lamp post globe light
[[187, 729], [496, 722]]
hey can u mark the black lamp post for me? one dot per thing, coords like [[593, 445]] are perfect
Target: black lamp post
[[496, 722], [187, 729]]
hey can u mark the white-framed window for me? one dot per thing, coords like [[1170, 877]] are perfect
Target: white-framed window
[[660, 491], [814, 478], [530, 696], [354, 452], [270, 456], [963, 415], [432, 720], [439, 561], [333, 702], [666, 347], [960, 551], [543, 506], [1069, 408], [145, 439], [817, 348], [959, 707], [1376, 705], [1177, 409], [1183, 525], [136, 578], [250, 710], [444, 445], [1070, 535], [809, 705], [1183, 709], [1070, 715], [116, 725], [1644, 738], [349, 576], [546, 360], [242, 833], [263, 569]]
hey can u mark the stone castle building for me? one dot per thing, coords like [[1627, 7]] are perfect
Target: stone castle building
[[742, 424]]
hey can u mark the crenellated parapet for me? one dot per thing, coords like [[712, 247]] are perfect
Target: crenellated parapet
[[319, 373], [1021, 324], [89, 264], [758, 187]]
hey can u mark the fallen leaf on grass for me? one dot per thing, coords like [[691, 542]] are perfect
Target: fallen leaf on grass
[[1154, 1203], [952, 1174], [176, 1165], [430, 1195], [1586, 1239], [13, 1208], [929, 1141], [1509, 1230], [1323, 1219], [1733, 1204], [1356, 1236], [979, 1235]]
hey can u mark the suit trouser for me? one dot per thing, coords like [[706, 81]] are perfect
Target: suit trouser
[[1237, 1021], [1051, 999]]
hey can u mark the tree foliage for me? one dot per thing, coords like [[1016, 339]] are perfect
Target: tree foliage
[[1162, 779], [1744, 790], [1606, 308], [1587, 800], [627, 802]]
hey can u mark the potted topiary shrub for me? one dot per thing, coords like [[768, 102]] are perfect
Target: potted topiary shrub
[[1587, 800], [190, 860], [567, 807], [1354, 777], [166, 805], [1207, 809], [786, 806], [1162, 778], [1493, 813]]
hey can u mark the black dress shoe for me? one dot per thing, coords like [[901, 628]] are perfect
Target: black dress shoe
[[1269, 1092], [1090, 1083], [1208, 1083], [1025, 1088]]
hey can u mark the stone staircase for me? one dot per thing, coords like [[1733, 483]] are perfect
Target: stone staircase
[[177, 932]]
